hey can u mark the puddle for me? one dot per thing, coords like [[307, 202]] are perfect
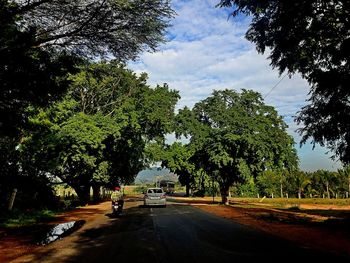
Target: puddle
[[59, 231]]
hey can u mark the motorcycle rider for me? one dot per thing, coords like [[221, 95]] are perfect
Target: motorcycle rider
[[117, 196]]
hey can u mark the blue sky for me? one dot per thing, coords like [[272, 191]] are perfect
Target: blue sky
[[207, 51]]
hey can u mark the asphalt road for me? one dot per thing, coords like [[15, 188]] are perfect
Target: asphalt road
[[180, 233]]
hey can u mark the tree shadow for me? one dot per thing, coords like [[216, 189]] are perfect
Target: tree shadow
[[131, 238]]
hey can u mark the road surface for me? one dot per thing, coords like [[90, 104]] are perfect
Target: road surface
[[177, 233]]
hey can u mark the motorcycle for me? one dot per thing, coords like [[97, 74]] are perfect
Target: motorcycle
[[117, 207]]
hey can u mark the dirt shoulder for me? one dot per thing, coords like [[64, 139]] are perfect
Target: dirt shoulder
[[19, 244], [16, 242]]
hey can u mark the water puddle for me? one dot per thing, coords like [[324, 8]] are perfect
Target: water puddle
[[59, 231]]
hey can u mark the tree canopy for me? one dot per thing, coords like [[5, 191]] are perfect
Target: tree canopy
[[96, 136], [310, 37], [235, 136], [42, 40], [27, 75], [123, 28]]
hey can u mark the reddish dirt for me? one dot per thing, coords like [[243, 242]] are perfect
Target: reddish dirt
[[17, 242], [295, 226], [308, 232]]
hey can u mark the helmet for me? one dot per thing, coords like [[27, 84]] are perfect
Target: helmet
[[117, 188]]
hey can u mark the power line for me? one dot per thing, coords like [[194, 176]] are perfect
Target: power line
[[275, 85]]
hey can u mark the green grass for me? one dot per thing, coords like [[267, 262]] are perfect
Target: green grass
[[293, 201], [21, 218]]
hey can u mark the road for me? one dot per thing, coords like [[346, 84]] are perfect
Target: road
[[177, 233]]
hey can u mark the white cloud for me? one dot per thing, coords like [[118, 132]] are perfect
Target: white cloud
[[207, 51]]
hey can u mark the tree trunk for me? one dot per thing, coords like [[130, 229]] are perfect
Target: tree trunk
[[83, 193], [299, 194], [188, 189], [281, 190], [96, 197], [328, 195], [224, 194], [12, 199]]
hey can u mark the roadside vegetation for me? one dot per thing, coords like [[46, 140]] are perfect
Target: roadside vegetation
[[17, 218]]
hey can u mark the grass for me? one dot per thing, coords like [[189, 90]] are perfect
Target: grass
[[22, 218], [282, 202]]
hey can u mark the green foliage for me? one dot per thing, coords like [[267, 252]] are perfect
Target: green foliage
[[269, 183], [27, 75], [298, 181], [247, 189], [298, 184], [19, 218], [235, 136], [33, 189], [97, 135], [177, 158], [329, 184], [344, 175], [141, 189], [310, 38], [41, 41], [77, 138]]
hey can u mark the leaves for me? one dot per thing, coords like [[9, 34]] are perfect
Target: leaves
[[235, 136], [91, 28], [310, 37], [98, 133]]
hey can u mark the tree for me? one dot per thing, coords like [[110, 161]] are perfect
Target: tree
[[177, 158], [297, 182], [27, 75], [236, 136], [345, 175], [41, 41], [123, 28], [269, 183], [97, 135], [330, 182], [311, 38]]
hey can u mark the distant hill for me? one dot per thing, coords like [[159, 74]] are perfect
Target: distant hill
[[152, 175]]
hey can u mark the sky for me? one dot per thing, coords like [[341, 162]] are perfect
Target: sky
[[207, 50]]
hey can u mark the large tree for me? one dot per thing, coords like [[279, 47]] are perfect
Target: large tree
[[97, 135], [41, 39], [236, 136], [310, 37], [27, 75]]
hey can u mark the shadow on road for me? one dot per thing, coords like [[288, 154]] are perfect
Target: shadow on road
[[152, 206], [129, 237]]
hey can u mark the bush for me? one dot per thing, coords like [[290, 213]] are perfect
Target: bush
[[141, 189]]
